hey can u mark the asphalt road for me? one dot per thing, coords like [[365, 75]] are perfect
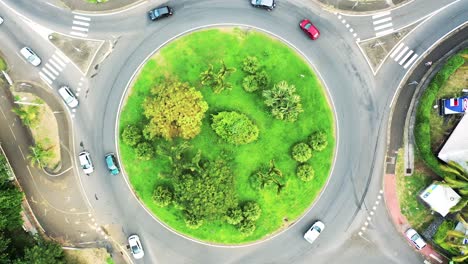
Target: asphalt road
[[361, 101]]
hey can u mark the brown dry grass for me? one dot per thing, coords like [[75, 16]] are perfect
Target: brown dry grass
[[87, 256]]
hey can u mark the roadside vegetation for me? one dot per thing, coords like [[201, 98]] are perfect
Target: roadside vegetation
[[431, 131], [243, 144], [3, 65]]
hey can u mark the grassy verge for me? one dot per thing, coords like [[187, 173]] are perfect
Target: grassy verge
[[185, 59], [3, 65], [89, 255]]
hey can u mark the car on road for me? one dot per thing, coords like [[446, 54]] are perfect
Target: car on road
[[30, 56], [68, 96], [309, 29], [85, 162], [111, 163], [314, 231], [135, 247], [415, 238], [265, 4], [160, 12]]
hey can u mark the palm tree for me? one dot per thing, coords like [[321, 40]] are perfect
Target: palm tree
[[39, 155], [207, 76]]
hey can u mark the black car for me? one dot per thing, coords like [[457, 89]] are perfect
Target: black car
[[266, 4], [160, 12]]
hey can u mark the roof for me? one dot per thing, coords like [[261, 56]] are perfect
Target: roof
[[440, 198], [456, 147]]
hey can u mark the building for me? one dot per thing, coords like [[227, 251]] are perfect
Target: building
[[440, 198], [456, 147]]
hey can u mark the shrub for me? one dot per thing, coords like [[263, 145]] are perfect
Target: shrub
[[305, 172], [235, 128], [234, 216], [192, 221], [246, 227], [250, 65], [262, 79], [144, 151], [131, 135], [162, 196], [318, 141], [283, 102], [250, 83], [251, 211], [301, 152]]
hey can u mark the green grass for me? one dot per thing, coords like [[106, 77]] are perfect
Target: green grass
[[185, 58], [109, 260], [441, 234], [3, 65]]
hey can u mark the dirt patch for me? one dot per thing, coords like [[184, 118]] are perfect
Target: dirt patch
[[87, 256], [82, 52], [377, 49]]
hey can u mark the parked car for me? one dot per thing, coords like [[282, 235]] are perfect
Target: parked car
[[160, 12], [415, 238], [135, 247], [30, 56], [111, 163], [85, 162], [266, 4], [1, 20], [314, 231], [309, 29], [68, 96]]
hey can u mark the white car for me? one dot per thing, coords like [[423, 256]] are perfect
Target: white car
[[415, 238], [68, 96], [30, 56], [85, 162], [135, 247], [314, 231]]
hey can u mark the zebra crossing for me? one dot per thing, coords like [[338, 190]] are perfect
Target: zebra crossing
[[382, 24], [403, 54], [80, 26], [53, 67]]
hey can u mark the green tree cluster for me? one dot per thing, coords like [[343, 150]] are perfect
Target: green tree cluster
[[318, 140], [132, 135], [236, 128], [217, 80], [283, 101], [163, 196], [244, 217], [305, 172], [256, 79], [39, 155], [268, 176], [301, 152], [29, 114]]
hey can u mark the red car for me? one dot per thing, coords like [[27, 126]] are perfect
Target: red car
[[309, 29]]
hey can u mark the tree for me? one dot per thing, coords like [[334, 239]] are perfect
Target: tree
[[10, 208], [234, 216], [247, 227], [173, 151], [235, 128], [163, 196], [144, 151], [39, 155], [174, 109], [267, 176], [262, 79], [217, 81], [251, 211], [45, 252], [132, 135], [30, 114], [249, 83], [193, 221], [283, 101], [305, 172], [301, 152], [318, 141], [250, 65]]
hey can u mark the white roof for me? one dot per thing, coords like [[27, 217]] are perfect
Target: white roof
[[440, 198], [456, 147]]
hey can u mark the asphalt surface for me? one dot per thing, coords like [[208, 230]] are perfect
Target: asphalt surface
[[361, 101]]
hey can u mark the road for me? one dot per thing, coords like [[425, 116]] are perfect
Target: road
[[361, 102]]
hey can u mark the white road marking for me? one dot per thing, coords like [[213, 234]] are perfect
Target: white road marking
[[78, 34], [381, 15], [401, 53], [410, 61], [22, 154], [382, 20], [52, 69], [80, 29], [51, 60], [12, 132], [49, 74], [45, 78], [396, 50], [82, 18], [383, 26], [80, 23], [406, 57], [63, 57], [385, 32], [58, 60]]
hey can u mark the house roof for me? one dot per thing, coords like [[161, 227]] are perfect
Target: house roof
[[456, 147], [440, 198]]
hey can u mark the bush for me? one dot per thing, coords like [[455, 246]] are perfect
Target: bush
[[235, 128], [131, 135], [250, 65], [144, 151], [251, 211], [262, 79], [246, 227], [250, 83], [301, 152], [305, 172], [234, 216], [318, 141], [163, 196], [283, 101], [192, 221]]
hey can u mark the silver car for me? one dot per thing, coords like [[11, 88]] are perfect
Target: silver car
[[85, 162], [68, 96], [135, 247], [314, 231], [415, 238], [30, 56]]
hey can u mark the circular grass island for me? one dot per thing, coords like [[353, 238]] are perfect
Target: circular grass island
[[226, 135]]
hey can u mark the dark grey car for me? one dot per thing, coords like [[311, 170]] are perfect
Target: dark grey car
[[160, 12]]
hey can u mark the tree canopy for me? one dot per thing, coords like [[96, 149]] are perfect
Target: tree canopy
[[234, 127], [283, 101]]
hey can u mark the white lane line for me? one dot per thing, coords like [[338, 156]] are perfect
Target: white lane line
[[410, 61], [63, 57], [59, 60], [55, 64], [385, 32], [82, 18], [49, 74], [80, 23], [12, 132], [383, 26], [78, 34], [22, 154], [45, 78], [381, 15], [52, 69], [401, 53], [80, 29], [396, 50], [382, 20], [406, 57]]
